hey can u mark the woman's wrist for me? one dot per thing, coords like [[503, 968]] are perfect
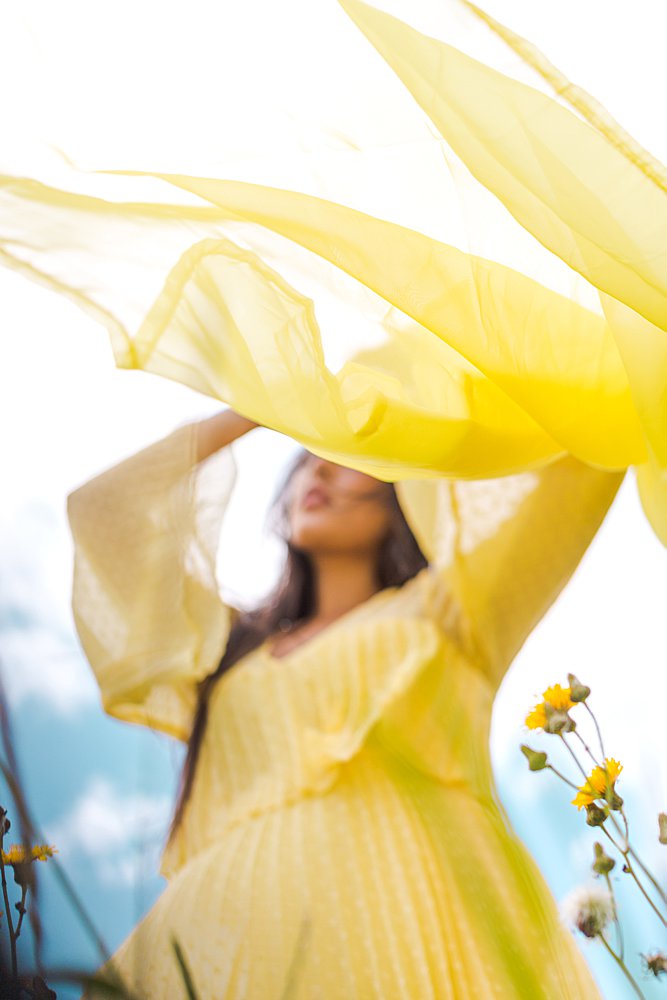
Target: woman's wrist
[[220, 430]]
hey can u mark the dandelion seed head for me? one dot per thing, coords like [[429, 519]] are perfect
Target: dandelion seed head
[[589, 909]]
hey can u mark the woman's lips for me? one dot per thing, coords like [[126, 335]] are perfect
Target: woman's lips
[[315, 497]]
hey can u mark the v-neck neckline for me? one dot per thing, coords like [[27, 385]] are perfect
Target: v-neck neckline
[[324, 632]]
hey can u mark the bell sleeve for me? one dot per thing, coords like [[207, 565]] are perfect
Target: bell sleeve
[[502, 550], [145, 599]]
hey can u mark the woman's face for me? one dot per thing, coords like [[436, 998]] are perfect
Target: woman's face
[[336, 509]]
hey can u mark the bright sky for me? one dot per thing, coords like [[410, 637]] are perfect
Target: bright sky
[[69, 413]]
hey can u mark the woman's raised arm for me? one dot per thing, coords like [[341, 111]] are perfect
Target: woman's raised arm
[[145, 597], [505, 548]]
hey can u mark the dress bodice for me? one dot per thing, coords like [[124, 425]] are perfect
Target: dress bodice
[[384, 681]]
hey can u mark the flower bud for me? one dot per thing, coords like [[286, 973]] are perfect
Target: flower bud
[[662, 824], [614, 799], [537, 760], [578, 691], [596, 815], [557, 720], [23, 874], [603, 864]]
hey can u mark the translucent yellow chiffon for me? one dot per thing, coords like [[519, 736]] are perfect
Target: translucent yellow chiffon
[[480, 370], [343, 838], [476, 369], [584, 187]]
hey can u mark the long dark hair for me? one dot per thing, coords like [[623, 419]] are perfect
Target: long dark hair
[[399, 559]]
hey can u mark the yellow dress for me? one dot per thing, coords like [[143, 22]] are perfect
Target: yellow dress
[[343, 839]]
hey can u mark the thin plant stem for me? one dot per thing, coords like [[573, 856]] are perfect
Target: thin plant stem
[[597, 729], [609, 836], [8, 913], [573, 755], [562, 777], [11, 775], [22, 910], [630, 851], [619, 929], [587, 748], [612, 819], [184, 969], [640, 863], [632, 872], [10, 771], [56, 867], [296, 962], [617, 825], [650, 877], [104, 983], [621, 964]]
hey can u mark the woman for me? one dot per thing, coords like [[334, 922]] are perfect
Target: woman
[[338, 833]]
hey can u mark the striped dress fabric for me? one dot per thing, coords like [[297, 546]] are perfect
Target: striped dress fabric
[[343, 838]]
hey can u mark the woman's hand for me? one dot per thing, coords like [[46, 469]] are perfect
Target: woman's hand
[[220, 430]]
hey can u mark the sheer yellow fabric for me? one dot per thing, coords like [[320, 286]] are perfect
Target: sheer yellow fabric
[[481, 371], [144, 595], [586, 193], [474, 369], [584, 188]]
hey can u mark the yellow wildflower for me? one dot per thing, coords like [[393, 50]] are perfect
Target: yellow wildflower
[[584, 798], [559, 699], [599, 783], [17, 854], [43, 851], [537, 719], [599, 776]]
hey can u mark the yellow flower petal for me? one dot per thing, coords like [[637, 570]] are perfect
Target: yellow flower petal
[[537, 718], [603, 777], [16, 855], [614, 768], [43, 851], [559, 697], [583, 798], [597, 780]]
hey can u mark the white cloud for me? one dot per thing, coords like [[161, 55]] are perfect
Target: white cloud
[[123, 833], [38, 664], [40, 656]]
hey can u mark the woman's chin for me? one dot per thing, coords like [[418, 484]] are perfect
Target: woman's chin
[[313, 529], [307, 542]]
